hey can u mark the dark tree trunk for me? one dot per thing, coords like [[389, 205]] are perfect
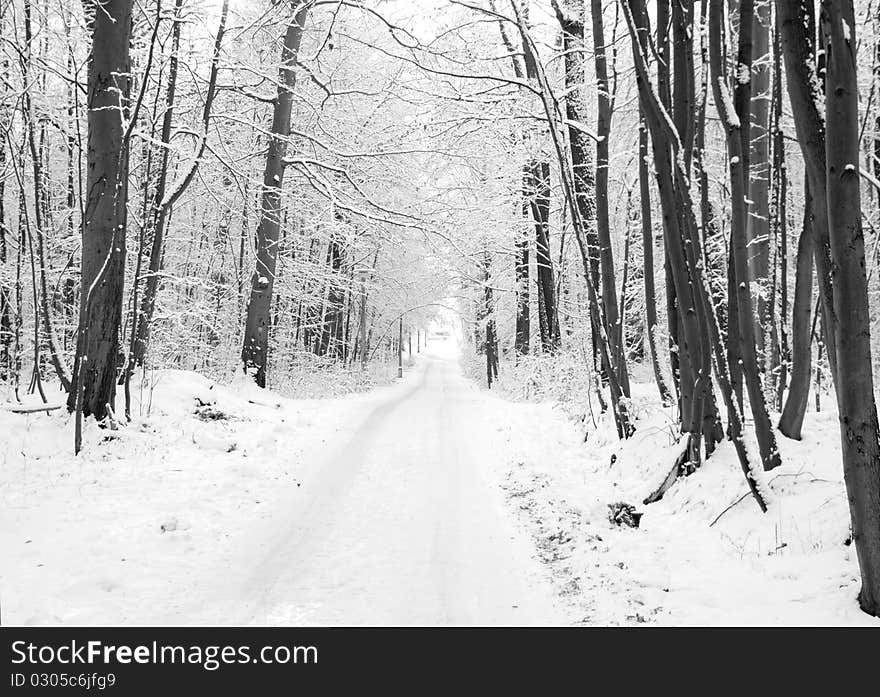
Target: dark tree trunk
[[664, 95], [491, 348], [103, 244], [331, 342], [255, 350], [603, 224], [307, 315], [758, 183], [709, 237], [158, 215], [693, 382], [523, 331], [679, 210], [6, 312], [570, 14], [703, 416], [859, 431], [523, 283], [795, 407], [540, 205], [625, 427], [780, 353], [797, 28], [735, 125], [683, 94], [162, 204], [648, 258], [42, 208], [362, 329], [521, 269]]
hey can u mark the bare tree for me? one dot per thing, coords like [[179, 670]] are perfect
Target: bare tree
[[795, 408], [571, 17], [255, 350], [605, 109], [164, 197], [104, 226], [735, 126], [759, 173], [859, 431], [690, 283]]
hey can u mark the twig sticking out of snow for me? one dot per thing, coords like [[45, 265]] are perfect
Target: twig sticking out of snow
[[718, 517], [111, 419]]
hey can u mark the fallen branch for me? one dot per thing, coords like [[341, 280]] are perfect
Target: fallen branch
[[678, 470], [30, 408], [276, 405]]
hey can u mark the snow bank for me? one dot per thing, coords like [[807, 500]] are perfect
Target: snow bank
[[704, 554], [133, 529]]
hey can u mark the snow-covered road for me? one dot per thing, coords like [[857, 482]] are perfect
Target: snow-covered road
[[401, 525], [232, 505]]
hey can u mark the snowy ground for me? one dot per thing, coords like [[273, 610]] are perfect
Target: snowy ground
[[431, 501], [374, 509], [704, 554]]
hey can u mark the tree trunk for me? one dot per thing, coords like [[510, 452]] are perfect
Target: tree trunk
[[521, 269], [157, 215], [648, 260], [362, 324], [673, 322], [678, 208], [796, 22], [622, 419], [540, 205], [703, 416], [686, 319], [523, 331], [400, 347], [758, 228], [603, 224], [331, 331], [41, 214], [683, 94], [164, 202], [491, 338], [780, 353], [709, 236], [255, 350], [795, 407], [735, 125], [570, 14], [103, 244], [6, 313], [859, 431]]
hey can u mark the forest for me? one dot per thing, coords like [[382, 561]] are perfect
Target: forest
[[660, 217]]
